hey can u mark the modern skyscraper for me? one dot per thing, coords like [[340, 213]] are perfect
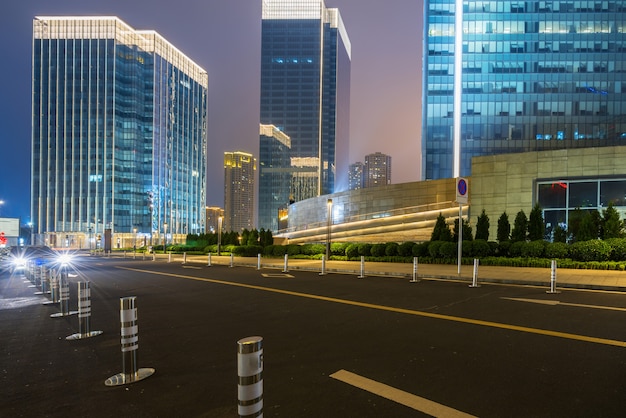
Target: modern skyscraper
[[305, 91], [377, 169], [520, 76], [119, 132], [356, 179], [239, 172], [274, 175]]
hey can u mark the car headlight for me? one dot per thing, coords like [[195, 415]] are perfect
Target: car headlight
[[64, 259]]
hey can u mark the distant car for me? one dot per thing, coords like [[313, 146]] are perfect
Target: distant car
[[20, 258]]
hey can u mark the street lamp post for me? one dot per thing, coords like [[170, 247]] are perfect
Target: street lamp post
[[329, 218], [219, 235], [164, 237], [134, 240]]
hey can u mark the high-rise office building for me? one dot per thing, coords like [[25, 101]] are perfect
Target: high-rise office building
[[377, 169], [520, 76], [274, 175], [119, 132], [305, 91], [239, 184], [356, 180]]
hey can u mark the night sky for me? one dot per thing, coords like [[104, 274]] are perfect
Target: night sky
[[223, 37]]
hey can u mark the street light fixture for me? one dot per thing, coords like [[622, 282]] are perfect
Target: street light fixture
[[219, 235], [329, 218], [164, 237]]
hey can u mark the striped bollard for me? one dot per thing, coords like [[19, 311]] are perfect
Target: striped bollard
[[258, 262], [54, 288], [362, 275], [323, 272], [45, 281], [84, 313], [553, 278], [250, 372], [209, 260], [232, 260], [414, 279], [475, 275], [64, 295], [286, 266], [130, 344]]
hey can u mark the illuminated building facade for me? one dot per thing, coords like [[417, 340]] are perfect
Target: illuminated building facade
[[239, 184], [520, 76], [355, 176], [274, 175], [305, 91], [119, 132], [377, 169]]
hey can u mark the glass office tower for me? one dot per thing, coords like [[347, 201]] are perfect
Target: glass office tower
[[520, 76], [274, 175], [305, 93], [239, 185], [119, 132]]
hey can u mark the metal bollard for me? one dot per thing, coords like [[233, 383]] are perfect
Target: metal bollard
[[54, 288], [323, 272], [475, 274], [250, 372], [44, 281], [414, 279], [184, 257], [64, 295], [153, 256], [286, 266], [553, 278], [232, 260], [84, 313], [362, 267], [130, 344], [258, 262], [169, 257], [209, 260]]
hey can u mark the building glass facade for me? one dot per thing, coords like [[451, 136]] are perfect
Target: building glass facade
[[274, 175], [119, 131], [520, 76], [239, 185], [305, 91]]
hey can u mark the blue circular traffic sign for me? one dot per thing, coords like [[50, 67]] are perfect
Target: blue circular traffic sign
[[462, 187]]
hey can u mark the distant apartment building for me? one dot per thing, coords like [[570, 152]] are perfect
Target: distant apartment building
[[275, 175], [305, 93], [239, 184], [377, 169], [119, 131], [356, 179]]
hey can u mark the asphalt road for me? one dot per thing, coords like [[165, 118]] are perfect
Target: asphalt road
[[437, 346]]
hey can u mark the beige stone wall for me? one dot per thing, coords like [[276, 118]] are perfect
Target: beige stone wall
[[506, 182]]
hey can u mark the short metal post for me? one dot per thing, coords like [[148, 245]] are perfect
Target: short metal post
[[362, 267], [250, 373], [258, 261], [414, 279], [323, 272], [143, 256], [232, 260], [184, 257], [169, 257], [553, 278], [134, 255], [209, 260], [286, 266], [64, 295], [475, 274], [130, 344], [54, 288], [84, 313], [153, 256], [45, 281]]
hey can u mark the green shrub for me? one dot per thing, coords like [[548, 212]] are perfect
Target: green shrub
[[448, 250], [248, 250], [420, 250], [480, 248], [365, 249], [433, 248], [293, 249], [391, 249], [618, 248], [557, 250], [504, 249], [352, 251], [338, 248], [313, 249], [534, 249], [466, 248], [592, 250], [378, 250], [406, 249], [515, 250], [279, 250]]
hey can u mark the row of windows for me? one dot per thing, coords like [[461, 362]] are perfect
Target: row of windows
[[564, 6], [546, 47], [537, 108], [600, 88]]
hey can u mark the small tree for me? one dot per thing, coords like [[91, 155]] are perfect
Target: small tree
[[467, 231], [559, 234], [612, 226], [504, 228], [441, 231], [536, 227], [482, 227], [520, 227], [589, 227]]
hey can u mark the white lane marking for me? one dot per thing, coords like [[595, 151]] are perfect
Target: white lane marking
[[556, 302], [192, 267], [404, 398], [279, 275]]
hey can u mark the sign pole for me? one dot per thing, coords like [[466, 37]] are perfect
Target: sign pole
[[462, 195]]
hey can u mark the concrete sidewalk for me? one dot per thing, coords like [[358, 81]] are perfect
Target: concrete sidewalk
[[565, 278]]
